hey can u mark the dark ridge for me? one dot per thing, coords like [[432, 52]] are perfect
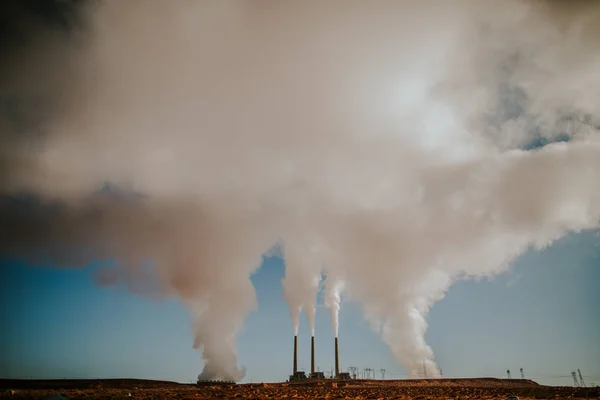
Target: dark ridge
[[474, 388], [40, 384], [215, 383]]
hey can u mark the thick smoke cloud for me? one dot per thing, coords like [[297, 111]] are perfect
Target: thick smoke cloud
[[302, 282], [379, 141], [333, 300]]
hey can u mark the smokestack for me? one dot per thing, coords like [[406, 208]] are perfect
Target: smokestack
[[295, 353], [337, 360], [312, 355]]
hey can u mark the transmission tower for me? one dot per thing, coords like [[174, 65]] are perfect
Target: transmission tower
[[508, 373], [368, 372], [382, 373], [424, 369], [574, 375], [581, 382], [353, 371], [522, 374]]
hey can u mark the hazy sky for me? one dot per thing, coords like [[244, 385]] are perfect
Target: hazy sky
[[542, 316]]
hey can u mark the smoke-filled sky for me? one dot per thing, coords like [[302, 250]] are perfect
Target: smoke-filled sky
[[394, 147], [541, 316]]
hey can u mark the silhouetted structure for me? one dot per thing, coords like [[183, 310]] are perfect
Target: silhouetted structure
[[353, 371], [295, 354], [337, 360], [344, 376], [574, 375], [318, 375], [298, 376], [581, 382], [312, 356]]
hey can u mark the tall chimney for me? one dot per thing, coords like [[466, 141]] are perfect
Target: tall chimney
[[312, 355], [295, 353], [337, 360]]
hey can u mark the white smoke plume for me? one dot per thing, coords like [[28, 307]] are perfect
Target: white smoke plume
[[301, 283], [333, 300], [386, 134]]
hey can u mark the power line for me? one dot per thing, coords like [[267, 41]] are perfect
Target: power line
[[575, 378], [353, 371], [580, 378]]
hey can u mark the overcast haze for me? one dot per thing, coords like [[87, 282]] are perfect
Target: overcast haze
[[395, 148]]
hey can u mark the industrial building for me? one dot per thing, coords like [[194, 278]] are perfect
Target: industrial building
[[315, 375]]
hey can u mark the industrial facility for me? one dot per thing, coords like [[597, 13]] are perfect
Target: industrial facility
[[315, 375]]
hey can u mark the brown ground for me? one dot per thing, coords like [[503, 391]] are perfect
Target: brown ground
[[441, 389]]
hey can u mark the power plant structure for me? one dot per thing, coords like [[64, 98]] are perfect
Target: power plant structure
[[344, 376], [337, 360], [295, 353], [296, 375], [312, 356], [315, 375]]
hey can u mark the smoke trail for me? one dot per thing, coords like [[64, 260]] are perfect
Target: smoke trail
[[333, 299], [381, 143], [301, 282]]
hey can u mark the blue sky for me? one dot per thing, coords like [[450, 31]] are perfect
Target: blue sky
[[542, 315]]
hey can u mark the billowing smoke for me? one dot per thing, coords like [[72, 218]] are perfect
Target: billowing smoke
[[401, 145], [333, 300], [301, 283]]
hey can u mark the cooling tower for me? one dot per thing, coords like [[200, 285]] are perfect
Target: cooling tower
[[295, 353], [312, 356], [337, 360]]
